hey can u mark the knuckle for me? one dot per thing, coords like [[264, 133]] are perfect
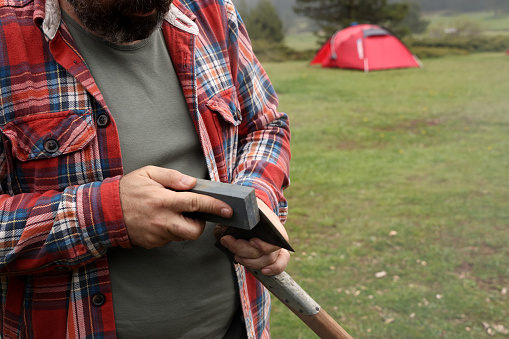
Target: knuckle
[[247, 263], [187, 231], [276, 254], [256, 254], [272, 259], [232, 247], [158, 203], [228, 246], [146, 170], [194, 234], [150, 242], [173, 175], [277, 269], [193, 204], [174, 229]]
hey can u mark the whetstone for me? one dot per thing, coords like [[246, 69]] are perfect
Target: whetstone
[[241, 199]]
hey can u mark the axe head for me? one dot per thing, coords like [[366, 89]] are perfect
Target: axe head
[[248, 221], [264, 230]]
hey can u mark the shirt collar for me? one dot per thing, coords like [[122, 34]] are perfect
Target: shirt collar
[[51, 18], [180, 20], [50, 14]]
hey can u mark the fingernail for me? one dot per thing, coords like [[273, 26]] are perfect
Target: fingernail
[[226, 212], [223, 242], [266, 271], [186, 180]]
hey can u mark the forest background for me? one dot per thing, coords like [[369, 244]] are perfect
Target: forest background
[[295, 29]]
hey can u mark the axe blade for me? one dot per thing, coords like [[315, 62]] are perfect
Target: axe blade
[[248, 221], [264, 230]]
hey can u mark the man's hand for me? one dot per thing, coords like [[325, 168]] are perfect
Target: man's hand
[[257, 254], [153, 208]]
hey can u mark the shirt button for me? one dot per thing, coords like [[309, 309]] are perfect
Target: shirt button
[[98, 300], [103, 120], [51, 146]]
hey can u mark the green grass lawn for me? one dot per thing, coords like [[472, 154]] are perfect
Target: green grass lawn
[[399, 203], [489, 23]]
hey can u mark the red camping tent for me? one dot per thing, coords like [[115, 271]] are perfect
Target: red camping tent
[[365, 47], [507, 52]]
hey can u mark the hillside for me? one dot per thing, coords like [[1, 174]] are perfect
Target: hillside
[[285, 9]]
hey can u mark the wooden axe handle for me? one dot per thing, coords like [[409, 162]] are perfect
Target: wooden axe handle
[[299, 302]]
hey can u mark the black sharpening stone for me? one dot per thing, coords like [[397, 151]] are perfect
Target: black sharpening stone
[[241, 199]]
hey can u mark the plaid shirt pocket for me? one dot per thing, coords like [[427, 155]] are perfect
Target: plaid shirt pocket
[[41, 144]]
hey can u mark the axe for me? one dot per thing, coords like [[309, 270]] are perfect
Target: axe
[[251, 220]]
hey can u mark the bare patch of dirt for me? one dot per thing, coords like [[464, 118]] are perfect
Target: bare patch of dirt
[[347, 145], [412, 125], [464, 270]]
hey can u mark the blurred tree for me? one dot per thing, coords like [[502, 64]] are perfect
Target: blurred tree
[[263, 22], [414, 21], [331, 15], [499, 6], [242, 7]]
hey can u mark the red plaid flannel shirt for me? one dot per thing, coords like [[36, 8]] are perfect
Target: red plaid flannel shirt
[[60, 170]]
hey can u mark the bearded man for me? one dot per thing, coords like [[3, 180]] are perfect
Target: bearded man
[[110, 110]]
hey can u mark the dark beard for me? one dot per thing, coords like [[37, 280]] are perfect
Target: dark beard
[[116, 20]]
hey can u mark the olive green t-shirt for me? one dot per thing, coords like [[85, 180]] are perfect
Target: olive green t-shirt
[[184, 289]]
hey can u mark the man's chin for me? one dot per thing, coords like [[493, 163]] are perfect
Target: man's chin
[[131, 28], [127, 37]]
